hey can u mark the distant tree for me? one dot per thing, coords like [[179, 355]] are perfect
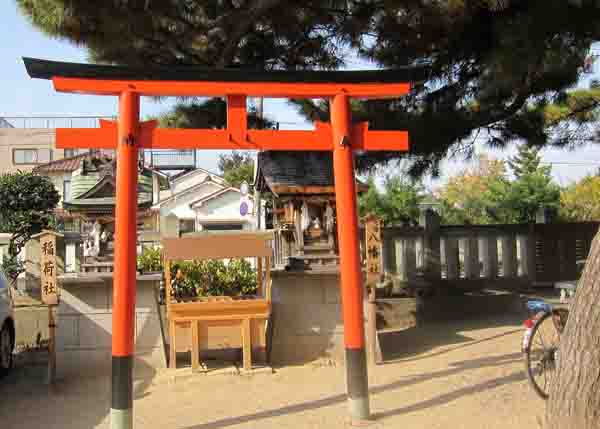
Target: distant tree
[[237, 167], [370, 202], [485, 195], [27, 204], [580, 202], [474, 195], [533, 187], [527, 161], [398, 202]]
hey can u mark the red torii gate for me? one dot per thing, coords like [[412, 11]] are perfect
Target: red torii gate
[[128, 135]]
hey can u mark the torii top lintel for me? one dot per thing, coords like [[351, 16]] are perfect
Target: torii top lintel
[[235, 85]]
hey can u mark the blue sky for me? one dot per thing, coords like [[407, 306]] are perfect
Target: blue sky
[[22, 96]]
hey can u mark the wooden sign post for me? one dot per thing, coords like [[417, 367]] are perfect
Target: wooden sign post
[[49, 289], [374, 272], [48, 267]]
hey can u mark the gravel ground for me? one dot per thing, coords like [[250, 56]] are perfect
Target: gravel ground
[[459, 375]]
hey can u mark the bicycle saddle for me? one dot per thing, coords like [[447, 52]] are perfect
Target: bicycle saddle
[[537, 305]]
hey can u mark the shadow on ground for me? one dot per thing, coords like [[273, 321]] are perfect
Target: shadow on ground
[[446, 320], [425, 338], [405, 382]]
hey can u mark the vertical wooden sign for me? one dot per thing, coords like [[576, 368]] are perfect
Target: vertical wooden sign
[[48, 268], [374, 250], [373, 243], [49, 289]]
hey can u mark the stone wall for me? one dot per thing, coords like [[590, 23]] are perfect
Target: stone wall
[[307, 318], [85, 329]]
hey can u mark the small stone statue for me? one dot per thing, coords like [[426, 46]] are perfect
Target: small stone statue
[[96, 237], [304, 217], [316, 223], [329, 219]]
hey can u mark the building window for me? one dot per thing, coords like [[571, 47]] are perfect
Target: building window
[[67, 190], [222, 227], [187, 225], [31, 156], [70, 152]]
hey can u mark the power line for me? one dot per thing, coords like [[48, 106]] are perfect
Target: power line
[[571, 163]]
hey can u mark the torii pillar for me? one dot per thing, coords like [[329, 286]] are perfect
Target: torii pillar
[[128, 136]]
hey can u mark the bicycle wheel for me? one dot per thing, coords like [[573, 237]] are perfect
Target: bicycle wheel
[[541, 352]]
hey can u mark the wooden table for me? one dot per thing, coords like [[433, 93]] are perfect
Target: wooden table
[[244, 312]]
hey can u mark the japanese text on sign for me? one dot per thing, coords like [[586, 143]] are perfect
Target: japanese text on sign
[[373, 247], [48, 269]]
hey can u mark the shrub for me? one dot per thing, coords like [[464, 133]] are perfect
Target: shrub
[[215, 278], [149, 260], [12, 266]]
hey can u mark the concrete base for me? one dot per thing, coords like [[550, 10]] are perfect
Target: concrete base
[[307, 323], [85, 329], [307, 318], [121, 419]]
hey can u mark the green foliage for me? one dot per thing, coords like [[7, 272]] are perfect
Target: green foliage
[[215, 278], [527, 162], [468, 197], [484, 195], [580, 202], [370, 202], [398, 203], [533, 188], [11, 267], [150, 260], [27, 204], [211, 113], [237, 167], [506, 67]]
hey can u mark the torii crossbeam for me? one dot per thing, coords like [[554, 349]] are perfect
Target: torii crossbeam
[[127, 135]]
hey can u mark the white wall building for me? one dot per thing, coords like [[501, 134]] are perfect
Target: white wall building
[[202, 201]]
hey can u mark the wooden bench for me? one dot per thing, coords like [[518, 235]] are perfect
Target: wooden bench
[[249, 313]]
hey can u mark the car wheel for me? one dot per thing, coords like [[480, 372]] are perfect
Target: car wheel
[[6, 349]]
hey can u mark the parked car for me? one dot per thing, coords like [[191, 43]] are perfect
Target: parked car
[[7, 327]]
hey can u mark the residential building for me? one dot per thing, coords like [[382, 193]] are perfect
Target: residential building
[[24, 149], [203, 201], [29, 141]]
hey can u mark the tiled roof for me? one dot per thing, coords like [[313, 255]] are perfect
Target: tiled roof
[[61, 165], [280, 168], [297, 172], [144, 199]]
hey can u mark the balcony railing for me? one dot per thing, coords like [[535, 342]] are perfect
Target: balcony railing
[[85, 121], [171, 159], [161, 159]]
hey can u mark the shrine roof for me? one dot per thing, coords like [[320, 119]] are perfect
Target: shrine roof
[[45, 69], [296, 172]]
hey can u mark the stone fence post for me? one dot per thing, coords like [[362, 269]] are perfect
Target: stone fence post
[[430, 221]]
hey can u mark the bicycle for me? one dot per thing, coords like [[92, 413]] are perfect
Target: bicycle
[[542, 337], [540, 343]]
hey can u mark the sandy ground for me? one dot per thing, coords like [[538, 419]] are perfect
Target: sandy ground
[[459, 375]]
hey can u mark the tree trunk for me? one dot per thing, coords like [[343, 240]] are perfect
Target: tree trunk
[[574, 401]]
